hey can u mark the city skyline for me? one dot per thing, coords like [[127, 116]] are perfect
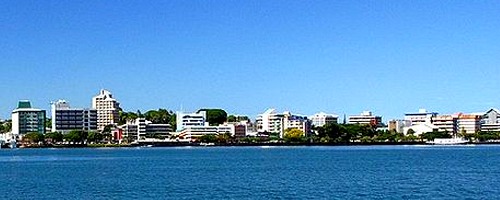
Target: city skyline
[[389, 57]]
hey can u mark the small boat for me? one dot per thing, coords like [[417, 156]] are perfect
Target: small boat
[[448, 141]]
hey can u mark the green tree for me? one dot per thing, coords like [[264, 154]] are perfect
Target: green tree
[[76, 136], [54, 137], [410, 132], [294, 135], [208, 138], [95, 137], [33, 137], [215, 116]]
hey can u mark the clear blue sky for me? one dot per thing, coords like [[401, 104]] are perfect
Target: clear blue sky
[[389, 57]]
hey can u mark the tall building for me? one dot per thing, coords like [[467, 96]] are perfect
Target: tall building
[[26, 119], [65, 118], [107, 109], [320, 119], [366, 117]]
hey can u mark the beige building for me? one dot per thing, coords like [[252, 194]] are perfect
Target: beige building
[[107, 109]]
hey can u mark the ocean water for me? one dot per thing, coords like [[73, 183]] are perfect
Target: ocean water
[[349, 172]]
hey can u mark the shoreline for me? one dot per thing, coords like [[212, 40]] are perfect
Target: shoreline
[[177, 144]]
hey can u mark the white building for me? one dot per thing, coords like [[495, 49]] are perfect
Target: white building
[[421, 117], [141, 128], [107, 109], [191, 119], [193, 133], [275, 123], [65, 118], [320, 119], [419, 129], [366, 117], [491, 121], [26, 119]]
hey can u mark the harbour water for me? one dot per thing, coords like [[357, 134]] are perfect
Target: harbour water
[[347, 172]]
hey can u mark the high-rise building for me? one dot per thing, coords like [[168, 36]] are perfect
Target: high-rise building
[[107, 109], [65, 118], [26, 119]]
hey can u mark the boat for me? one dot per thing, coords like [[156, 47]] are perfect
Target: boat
[[448, 141]]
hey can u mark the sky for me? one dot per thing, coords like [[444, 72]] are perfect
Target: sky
[[342, 57]]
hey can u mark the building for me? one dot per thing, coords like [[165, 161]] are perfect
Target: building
[[469, 123], [140, 129], [107, 109], [446, 123], [26, 119], [320, 119], [300, 122], [194, 133], [420, 117], [276, 123], [65, 118], [396, 125], [366, 117], [491, 121], [190, 119], [419, 129], [270, 122]]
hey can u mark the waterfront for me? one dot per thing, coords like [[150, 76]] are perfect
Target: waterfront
[[338, 172]]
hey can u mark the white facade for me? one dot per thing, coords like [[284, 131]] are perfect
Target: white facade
[[419, 129], [140, 128], [491, 121], [185, 120], [272, 122], [421, 117], [195, 132], [107, 109], [26, 119], [320, 119]]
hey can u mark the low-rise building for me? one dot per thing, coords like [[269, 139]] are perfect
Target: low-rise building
[[366, 117], [141, 128], [491, 121], [276, 123], [469, 123], [194, 133], [420, 117], [396, 125], [446, 123], [320, 119]]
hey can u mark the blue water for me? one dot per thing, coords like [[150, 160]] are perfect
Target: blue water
[[362, 172]]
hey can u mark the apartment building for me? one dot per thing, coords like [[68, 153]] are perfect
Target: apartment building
[[420, 117], [107, 109]]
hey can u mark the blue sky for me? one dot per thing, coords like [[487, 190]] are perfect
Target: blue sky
[[389, 57]]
